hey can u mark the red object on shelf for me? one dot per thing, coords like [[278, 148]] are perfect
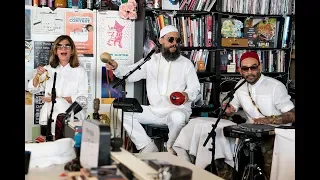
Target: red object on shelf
[[177, 98]]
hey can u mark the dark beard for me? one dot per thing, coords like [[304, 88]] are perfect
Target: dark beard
[[170, 56], [256, 78]]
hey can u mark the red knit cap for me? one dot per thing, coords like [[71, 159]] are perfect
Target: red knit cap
[[250, 55]]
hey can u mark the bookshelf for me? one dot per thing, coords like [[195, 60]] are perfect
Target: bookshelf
[[224, 10]]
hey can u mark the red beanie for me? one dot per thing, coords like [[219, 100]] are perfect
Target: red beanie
[[250, 55]]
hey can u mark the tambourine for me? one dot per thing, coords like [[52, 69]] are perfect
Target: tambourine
[[44, 79]]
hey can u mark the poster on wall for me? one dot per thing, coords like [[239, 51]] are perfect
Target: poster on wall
[[27, 26], [38, 103], [41, 57], [88, 64], [29, 67], [114, 38], [79, 26], [42, 52], [48, 23]]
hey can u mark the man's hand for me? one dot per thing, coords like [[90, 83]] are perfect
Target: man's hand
[[262, 120], [230, 109], [111, 65], [186, 97]]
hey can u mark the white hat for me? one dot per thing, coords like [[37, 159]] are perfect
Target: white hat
[[167, 29]]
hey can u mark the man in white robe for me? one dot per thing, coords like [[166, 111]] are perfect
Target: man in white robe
[[165, 73]]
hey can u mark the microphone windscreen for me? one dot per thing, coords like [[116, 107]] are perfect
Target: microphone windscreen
[[105, 57], [82, 100]]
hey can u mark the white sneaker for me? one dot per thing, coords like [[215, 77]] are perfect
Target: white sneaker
[[151, 147]]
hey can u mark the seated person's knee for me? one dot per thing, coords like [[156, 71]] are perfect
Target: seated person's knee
[[178, 118]]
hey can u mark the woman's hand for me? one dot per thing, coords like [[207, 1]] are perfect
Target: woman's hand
[[46, 99], [41, 70], [68, 99]]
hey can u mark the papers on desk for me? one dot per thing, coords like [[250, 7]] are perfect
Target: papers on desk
[[74, 124]]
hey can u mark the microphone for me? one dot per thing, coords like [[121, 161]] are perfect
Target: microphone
[[80, 103], [234, 90]]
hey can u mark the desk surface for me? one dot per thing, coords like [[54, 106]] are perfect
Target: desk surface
[[48, 173], [197, 172], [53, 172]]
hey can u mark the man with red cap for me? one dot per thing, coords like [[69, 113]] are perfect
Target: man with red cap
[[166, 72], [264, 100]]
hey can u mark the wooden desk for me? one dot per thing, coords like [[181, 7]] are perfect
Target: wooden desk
[[53, 172], [197, 172], [49, 173]]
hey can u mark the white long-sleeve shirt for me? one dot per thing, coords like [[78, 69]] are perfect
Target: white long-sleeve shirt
[[70, 82], [162, 79], [269, 94]]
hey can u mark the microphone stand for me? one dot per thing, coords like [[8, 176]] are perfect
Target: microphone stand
[[122, 81], [212, 134], [49, 136]]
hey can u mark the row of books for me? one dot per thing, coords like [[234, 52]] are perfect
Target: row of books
[[199, 58], [194, 31], [197, 5], [265, 7], [190, 5], [203, 99], [271, 60]]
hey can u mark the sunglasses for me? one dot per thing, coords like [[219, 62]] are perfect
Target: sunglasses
[[63, 46], [171, 39], [253, 68]]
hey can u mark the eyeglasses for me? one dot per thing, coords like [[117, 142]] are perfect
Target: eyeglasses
[[171, 39], [63, 46], [253, 68]]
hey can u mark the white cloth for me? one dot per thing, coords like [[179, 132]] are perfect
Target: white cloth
[[167, 29], [70, 82], [175, 120], [283, 160], [49, 153], [162, 79], [270, 95], [193, 136]]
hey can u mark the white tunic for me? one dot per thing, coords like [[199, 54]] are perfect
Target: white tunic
[[269, 94], [70, 82], [162, 79]]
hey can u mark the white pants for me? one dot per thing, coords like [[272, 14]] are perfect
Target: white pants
[[175, 120]]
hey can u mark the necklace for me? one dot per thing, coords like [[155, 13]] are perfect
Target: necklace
[[167, 79], [254, 102]]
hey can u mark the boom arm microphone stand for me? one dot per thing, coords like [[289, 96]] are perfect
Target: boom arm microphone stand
[[122, 81], [49, 136], [116, 141], [213, 133]]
